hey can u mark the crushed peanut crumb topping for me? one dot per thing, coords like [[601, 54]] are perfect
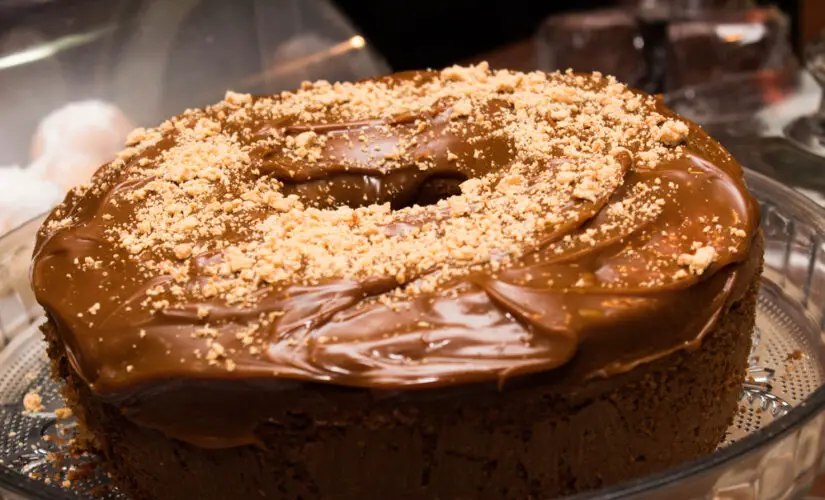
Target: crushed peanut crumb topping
[[573, 138]]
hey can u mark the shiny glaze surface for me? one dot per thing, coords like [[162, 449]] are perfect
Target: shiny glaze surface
[[597, 307]]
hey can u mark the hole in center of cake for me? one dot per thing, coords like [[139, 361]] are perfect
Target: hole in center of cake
[[433, 190], [356, 191]]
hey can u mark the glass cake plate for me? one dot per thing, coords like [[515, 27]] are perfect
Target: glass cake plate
[[774, 450]]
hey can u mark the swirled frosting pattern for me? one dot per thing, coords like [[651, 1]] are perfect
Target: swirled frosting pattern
[[419, 230]]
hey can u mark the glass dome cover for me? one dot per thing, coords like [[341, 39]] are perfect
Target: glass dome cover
[[152, 59]]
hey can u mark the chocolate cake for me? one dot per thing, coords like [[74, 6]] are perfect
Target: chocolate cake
[[459, 284]]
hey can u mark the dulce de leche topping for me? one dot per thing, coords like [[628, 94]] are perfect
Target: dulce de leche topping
[[422, 229]]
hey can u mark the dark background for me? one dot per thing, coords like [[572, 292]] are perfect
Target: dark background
[[413, 34], [410, 34]]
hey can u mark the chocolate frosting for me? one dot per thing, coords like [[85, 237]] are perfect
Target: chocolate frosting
[[594, 306]]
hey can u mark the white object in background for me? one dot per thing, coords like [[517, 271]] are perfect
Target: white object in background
[[75, 139], [23, 196]]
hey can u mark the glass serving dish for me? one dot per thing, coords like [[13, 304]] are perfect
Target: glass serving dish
[[774, 450]]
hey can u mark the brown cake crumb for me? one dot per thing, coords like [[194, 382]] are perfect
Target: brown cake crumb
[[698, 261], [795, 355], [673, 132], [63, 413], [183, 251], [33, 402]]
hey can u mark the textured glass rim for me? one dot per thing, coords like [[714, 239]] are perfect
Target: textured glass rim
[[814, 404]]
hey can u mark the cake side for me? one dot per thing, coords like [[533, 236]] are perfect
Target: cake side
[[531, 441]]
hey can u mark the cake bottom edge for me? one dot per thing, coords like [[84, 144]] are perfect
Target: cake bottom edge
[[672, 410]]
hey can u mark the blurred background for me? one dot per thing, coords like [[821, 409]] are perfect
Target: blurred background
[[76, 76]]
